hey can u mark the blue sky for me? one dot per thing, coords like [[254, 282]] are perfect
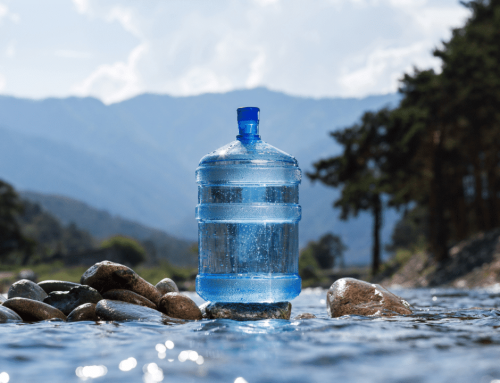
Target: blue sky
[[114, 50]]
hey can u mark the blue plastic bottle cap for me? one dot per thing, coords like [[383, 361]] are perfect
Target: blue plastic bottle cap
[[248, 113]]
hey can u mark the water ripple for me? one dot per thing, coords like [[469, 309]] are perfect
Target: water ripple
[[453, 336]]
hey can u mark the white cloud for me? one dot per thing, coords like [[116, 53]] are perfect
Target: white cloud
[[82, 6], [117, 81], [434, 19], [382, 69], [125, 17], [257, 67], [318, 48], [326, 48], [4, 10], [202, 80]]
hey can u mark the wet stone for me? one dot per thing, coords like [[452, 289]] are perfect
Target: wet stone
[[249, 311], [166, 285], [8, 315], [26, 289], [106, 275], [51, 285], [180, 306], [305, 316], [203, 309], [349, 296], [85, 312], [110, 310], [128, 296], [32, 311], [67, 301]]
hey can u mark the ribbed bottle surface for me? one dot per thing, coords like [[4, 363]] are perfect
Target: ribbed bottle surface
[[248, 214]]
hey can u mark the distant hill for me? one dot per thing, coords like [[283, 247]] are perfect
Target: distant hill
[[101, 224], [137, 158]]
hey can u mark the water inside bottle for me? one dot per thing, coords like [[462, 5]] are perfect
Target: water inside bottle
[[248, 216]]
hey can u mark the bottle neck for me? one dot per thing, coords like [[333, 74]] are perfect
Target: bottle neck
[[249, 130]]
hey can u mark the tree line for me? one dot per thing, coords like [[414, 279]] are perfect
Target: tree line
[[438, 151], [31, 235]]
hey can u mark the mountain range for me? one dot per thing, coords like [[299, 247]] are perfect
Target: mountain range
[[101, 225], [137, 158]]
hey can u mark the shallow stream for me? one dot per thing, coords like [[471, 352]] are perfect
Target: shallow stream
[[453, 336]]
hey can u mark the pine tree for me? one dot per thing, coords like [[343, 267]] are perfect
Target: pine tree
[[358, 171], [11, 237]]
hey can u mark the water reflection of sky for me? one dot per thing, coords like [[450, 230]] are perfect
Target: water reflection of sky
[[453, 336]]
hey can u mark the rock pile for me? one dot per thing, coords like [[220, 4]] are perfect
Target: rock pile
[[107, 291], [112, 292]]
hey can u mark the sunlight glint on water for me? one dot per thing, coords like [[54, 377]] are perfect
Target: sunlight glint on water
[[455, 338]]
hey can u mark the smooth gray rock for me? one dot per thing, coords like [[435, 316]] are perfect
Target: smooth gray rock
[[33, 311], [67, 301], [166, 285], [304, 316], [106, 275], [26, 289], [51, 285], [2, 299], [110, 310], [249, 311], [8, 315], [349, 296], [85, 312]]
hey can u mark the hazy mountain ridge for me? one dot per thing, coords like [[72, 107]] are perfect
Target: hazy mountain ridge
[[137, 158], [101, 224]]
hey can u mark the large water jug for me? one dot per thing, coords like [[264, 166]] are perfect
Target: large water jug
[[248, 216]]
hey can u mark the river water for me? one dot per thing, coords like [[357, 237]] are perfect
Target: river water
[[453, 336]]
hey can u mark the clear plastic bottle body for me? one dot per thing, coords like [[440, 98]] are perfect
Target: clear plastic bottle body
[[248, 215]]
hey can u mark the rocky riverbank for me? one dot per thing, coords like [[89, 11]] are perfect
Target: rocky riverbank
[[472, 263], [113, 292]]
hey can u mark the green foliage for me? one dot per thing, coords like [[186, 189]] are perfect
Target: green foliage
[[131, 252], [31, 235], [318, 257], [399, 259], [411, 231], [12, 239], [51, 240], [309, 269], [437, 150], [328, 251], [359, 171], [99, 223], [453, 164]]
